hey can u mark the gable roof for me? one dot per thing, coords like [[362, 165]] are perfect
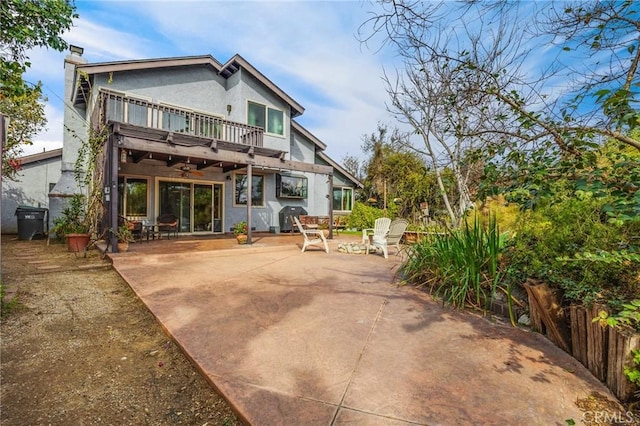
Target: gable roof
[[234, 64], [324, 157], [237, 62], [307, 134], [41, 156], [339, 168]]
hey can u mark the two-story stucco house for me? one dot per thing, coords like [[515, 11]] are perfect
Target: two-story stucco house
[[211, 143]]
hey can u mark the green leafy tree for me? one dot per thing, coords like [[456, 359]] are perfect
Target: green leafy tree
[[26, 24], [397, 177], [27, 118]]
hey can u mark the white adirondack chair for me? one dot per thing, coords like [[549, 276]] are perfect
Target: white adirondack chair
[[392, 238], [380, 229], [311, 236]]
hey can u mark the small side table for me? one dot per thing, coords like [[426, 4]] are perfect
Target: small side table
[[150, 230]]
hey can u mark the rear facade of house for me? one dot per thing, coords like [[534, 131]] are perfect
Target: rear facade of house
[[211, 143]]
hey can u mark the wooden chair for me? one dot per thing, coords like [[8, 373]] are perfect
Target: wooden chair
[[168, 223], [311, 236], [392, 238], [380, 229]]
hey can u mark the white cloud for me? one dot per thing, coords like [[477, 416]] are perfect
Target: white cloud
[[102, 43], [51, 138]]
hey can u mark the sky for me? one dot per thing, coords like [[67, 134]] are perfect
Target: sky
[[308, 48]]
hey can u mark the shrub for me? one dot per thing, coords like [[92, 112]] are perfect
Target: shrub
[[363, 216], [73, 219], [565, 244]]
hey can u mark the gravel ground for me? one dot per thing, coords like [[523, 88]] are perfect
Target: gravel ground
[[78, 348]]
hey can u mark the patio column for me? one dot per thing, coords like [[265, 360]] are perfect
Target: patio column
[[111, 184], [249, 193], [330, 202]]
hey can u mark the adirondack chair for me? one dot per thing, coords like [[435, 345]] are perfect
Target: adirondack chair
[[380, 229], [392, 238], [311, 236]]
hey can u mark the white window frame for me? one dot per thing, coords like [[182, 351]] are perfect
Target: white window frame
[[266, 118], [342, 189]]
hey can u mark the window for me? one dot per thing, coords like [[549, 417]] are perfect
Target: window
[[270, 119], [257, 190], [291, 186], [132, 196], [342, 198]]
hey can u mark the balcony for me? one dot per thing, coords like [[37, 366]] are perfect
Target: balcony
[[139, 112]]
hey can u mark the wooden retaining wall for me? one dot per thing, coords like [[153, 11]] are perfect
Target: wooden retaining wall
[[604, 351]]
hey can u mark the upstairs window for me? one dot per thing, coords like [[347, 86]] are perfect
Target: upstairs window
[[270, 119]]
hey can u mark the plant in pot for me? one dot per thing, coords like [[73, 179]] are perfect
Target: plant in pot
[[73, 224], [124, 236], [240, 231]]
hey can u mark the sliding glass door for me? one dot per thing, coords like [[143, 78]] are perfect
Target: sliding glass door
[[198, 206]]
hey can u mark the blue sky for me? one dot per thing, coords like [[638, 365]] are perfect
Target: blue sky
[[308, 48]]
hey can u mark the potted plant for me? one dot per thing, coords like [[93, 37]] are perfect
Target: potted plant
[[240, 231], [124, 236], [73, 225]]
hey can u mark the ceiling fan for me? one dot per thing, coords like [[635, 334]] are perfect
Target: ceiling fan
[[186, 170]]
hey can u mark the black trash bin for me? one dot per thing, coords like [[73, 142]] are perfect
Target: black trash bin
[[31, 222]]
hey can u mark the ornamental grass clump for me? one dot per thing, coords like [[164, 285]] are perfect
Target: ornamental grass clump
[[460, 266]]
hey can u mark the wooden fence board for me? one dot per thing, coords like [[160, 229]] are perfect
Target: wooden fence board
[[596, 344], [578, 333], [621, 343]]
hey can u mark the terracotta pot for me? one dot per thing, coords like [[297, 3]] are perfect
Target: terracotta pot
[[77, 242], [241, 238], [123, 246]]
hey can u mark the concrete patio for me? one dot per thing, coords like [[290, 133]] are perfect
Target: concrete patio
[[293, 338]]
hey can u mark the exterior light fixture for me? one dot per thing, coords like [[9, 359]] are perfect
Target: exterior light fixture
[[228, 108], [123, 156]]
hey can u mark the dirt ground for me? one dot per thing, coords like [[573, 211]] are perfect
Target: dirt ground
[[78, 348]]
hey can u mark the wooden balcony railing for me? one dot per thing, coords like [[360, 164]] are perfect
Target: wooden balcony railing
[[125, 109]]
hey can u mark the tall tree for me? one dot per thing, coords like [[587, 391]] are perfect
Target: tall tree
[[396, 177], [26, 24], [602, 38], [531, 90]]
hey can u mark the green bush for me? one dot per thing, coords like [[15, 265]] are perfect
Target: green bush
[[566, 244], [363, 216]]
